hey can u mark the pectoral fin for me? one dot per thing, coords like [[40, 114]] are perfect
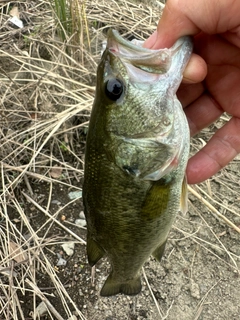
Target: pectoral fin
[[129, 287], [184, 197], [94, 252], [158, 253]]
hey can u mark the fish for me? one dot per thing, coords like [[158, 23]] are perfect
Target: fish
[[136, 153]]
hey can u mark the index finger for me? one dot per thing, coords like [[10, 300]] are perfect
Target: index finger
[[218, 152]]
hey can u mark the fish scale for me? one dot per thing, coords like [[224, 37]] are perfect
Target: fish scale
[[136, 154]]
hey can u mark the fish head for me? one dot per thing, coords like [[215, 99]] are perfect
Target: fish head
[[136, 102]]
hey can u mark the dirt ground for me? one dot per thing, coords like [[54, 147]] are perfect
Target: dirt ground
[[199, 276]]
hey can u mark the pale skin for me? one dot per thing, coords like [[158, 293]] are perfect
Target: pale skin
[[211, 83]]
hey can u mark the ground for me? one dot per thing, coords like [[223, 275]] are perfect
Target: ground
[[46, 97]]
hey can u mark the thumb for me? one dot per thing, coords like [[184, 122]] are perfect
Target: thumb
[[173, 24]]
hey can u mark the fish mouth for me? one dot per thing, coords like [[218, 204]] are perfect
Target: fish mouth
[[159, 61]]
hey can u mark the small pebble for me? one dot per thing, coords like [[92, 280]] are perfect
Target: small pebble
[[82, 215], [63, 217], [194, 289], [41, 309], [75, 194], [61, 262], [80, 222], [56, 202], [68, 247], [73, 317]]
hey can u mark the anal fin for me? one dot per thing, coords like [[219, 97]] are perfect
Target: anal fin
[[94, 252], [129, 287], [158, 253]]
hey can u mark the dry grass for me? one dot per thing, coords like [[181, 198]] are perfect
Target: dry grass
[[47, 89], [45, 100]]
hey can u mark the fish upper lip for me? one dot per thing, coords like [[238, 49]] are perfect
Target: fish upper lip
[[157, 59]]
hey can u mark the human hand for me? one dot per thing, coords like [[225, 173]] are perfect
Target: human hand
[[215, 25]]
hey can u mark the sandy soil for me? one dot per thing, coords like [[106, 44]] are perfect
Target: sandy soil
[[198, 277]]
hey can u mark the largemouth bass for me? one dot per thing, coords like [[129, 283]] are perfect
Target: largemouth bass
[[136, 154]]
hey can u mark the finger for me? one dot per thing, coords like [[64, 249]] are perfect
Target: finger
[[188, 93], [187, 17], [218, 152], [172, 25], [201, 113], [216, 50], [196, 70], [233, 36], [223, 78]]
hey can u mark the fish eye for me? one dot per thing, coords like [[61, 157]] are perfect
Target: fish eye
[[114, 89]]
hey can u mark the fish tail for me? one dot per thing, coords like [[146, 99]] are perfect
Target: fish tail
[[129, 287]]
